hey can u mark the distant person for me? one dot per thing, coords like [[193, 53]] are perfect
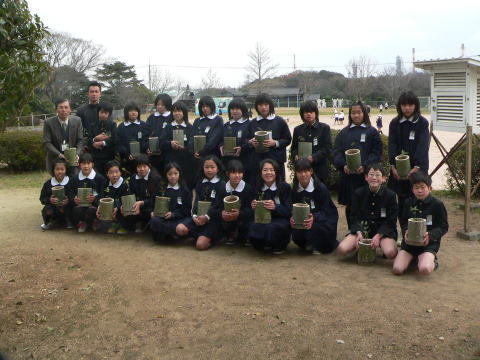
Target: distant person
[[386, 105], [61, 132], [380, 107], [89, 112], [209, 124], [335, 117], [341, 117], [379, 123]]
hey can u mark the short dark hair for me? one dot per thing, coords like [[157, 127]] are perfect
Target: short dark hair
[[94, 83], [61, 101], [111, 164], [366, 117], [105, 107], [309, 106], [173, 165], [216, 160], [238, 103], [276, 168], [408, 97], [303, 164], [235, 166], [58, 162], [165, 99], [264, 99], [142, 159], [420, 177], [85, 158], [128, 107], [376, 166], [206, 101], [180, 106]]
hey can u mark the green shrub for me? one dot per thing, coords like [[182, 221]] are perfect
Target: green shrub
[[22, 150], [458, 166]]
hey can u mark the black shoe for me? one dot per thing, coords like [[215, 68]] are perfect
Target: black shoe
[[436, 263]]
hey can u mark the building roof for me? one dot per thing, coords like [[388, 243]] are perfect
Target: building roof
[[427, 64]]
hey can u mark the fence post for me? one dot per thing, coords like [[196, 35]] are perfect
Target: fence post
[[33, 126]]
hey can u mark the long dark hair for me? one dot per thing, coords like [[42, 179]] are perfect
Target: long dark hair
[[170, 166], [276, 168], [216, 160], [180, 106], [302, 165], [206, 101], [366, 117], [238, 103], [264, 99], [128, 107], [166, 101], [408, 97]]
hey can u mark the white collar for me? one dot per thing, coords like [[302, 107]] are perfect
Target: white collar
[[309, 187], [90, 176], [403, 119], [176, 187], [166, 113], [183, 124], [63, 121], [361, 125], [212, 116], [156, 113], [273, 187], [145, 177], [126, 123], [240, 121], [64, 182], [269, 117], [239, 188], [213, 181], [117, 184]]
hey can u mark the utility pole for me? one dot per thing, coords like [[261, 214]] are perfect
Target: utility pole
[[149, 76], [463, 50], [413, 59], [294, 63]]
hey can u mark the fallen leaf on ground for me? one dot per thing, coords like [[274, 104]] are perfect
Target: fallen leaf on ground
[[340, 342]]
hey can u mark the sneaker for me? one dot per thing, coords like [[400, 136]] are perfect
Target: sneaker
[[96, 225], [316, 252], [113, 228], [69, 225], [44, 227], [82, 227], [231, 239], [122, 231], [247, 243], [278, 252], [139, 228], [436, 263]]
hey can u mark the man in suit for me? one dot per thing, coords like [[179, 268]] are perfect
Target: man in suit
[[61, 132]]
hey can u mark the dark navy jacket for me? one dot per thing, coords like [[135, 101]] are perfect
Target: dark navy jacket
[[46, 191], [212, 128], [239, 131], [117, 192], [158, 122], [167, 137], [107, 152], [180, 201], [89, 115], [96, 183], [133, 132], [281, 197], [144, 190], [207, 191], [246, 196]]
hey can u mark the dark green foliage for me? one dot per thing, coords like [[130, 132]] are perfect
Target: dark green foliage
[[22, 150], [458, 162]]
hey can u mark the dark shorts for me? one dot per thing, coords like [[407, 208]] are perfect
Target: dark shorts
[[418, 250]]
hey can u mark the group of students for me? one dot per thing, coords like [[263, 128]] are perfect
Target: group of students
[[253, 176]]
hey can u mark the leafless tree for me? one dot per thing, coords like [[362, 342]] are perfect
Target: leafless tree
[[360, 71], [210, 81], [260, 65], [161, 80]]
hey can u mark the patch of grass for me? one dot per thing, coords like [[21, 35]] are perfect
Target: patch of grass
[[33, 179]]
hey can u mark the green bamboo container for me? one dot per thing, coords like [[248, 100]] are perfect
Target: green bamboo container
[[105, 209], [304, 149], [134, 148], [366, 254], [261, 136], [178, 136], [402, 163], [262, 215], [300, 214], [203, 207], [417, 228], [229, 143], [231, 202], [153, 143], [199, 142], [127, 202], [59, 193], [71, 156], [82, 194], [162, 206], [354, 160]]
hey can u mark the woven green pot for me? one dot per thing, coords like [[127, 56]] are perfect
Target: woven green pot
[[82, 194], [199, 142], [105, 209], [178, 136], [203, 207], [366, 254], [59, 193], [134, 148], [300, 214], [402, 163], [127, 203], [231, 202], [261, 136], [153, 144], [162, 206], [353, 158], [229, 143], [71, 156], [417, 227], [262, 215], [304, 149]]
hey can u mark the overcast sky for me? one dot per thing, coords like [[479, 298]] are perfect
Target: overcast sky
[[188, 37]]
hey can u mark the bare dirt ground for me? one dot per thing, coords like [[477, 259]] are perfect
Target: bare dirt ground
[[65, 295]]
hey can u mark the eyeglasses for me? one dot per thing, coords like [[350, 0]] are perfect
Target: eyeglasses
[[374, 175]]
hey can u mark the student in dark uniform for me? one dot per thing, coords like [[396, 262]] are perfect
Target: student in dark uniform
[[320, 234], [358, 134], [209, 124], [115, 188], [422, 205], [373, 215], [234, 224], [181, 153], [207, 189], [275, 193], [57, 211], [132, 129], [408, 133], [180, 205], [102, 136], [237, 127], [89, 112], [280, 136], [84, 216], [157, 123], [317, 133], [144, 184]]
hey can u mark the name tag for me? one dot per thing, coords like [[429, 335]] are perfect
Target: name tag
[[270, 135], [383, 212], [213, 194], [139, 135], [239, 134], [315, 141], [164, 125], [95, 194], [277, 200], [412, 135], [207, 129], [429, 220], [64, 147], [179, 200], [312, 204], [184, 137], [363, 137]]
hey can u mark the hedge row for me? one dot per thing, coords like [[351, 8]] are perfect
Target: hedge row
[[22, 150]]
